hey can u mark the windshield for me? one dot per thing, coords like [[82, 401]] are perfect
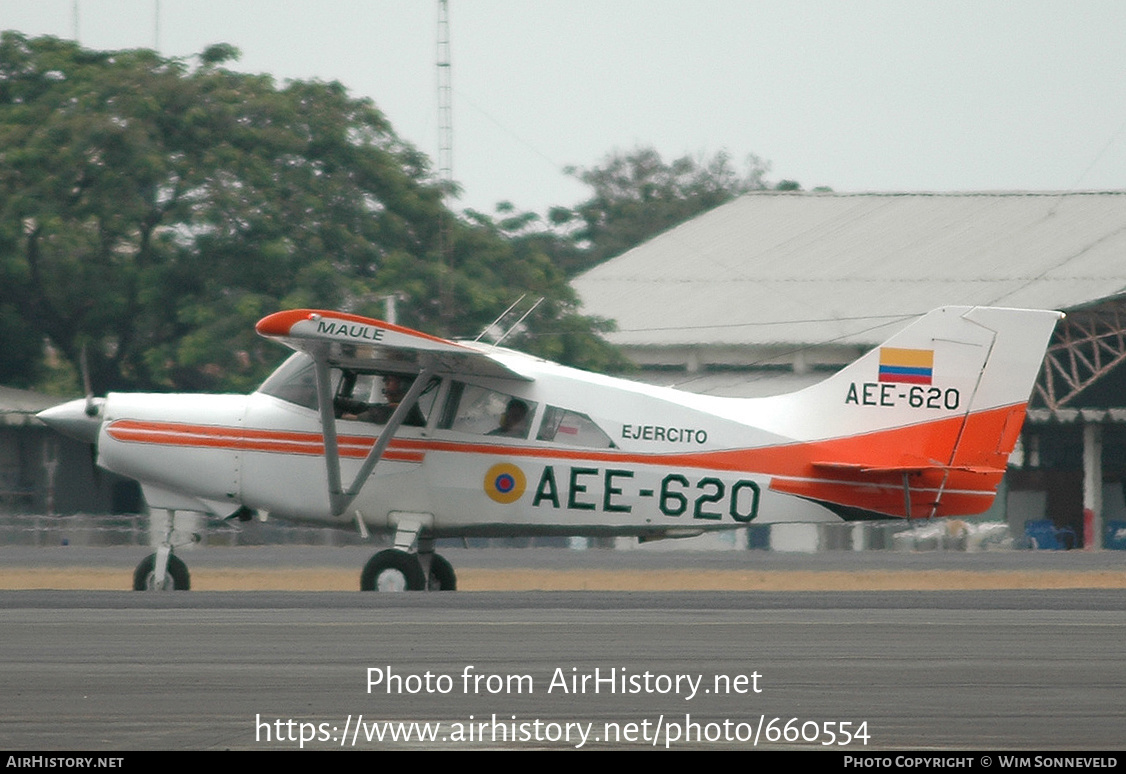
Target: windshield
[[295, 381]]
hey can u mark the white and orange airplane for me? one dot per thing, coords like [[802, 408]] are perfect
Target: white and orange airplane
[[475, 440]]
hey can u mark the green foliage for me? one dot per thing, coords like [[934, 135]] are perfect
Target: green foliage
[[153, 212], [218, 54], [20, 351], [638, 195]]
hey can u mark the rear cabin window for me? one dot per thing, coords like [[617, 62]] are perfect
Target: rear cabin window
[[572, 428]]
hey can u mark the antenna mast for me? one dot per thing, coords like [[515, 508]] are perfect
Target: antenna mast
[[445, 97], [445, 160]]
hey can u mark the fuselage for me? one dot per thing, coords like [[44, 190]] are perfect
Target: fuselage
[[597, 456]]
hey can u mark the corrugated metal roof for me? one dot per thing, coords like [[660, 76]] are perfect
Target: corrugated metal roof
[[812, 268]]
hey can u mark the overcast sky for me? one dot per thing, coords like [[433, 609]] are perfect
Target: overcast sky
[[863, 95]]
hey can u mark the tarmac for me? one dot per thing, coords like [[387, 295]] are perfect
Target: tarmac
[[313, 568]]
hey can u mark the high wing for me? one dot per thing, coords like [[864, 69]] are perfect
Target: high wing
[[337, 339], [349, 340]]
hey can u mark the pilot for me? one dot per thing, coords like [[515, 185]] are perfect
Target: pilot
[[514, 420], [394, 390]]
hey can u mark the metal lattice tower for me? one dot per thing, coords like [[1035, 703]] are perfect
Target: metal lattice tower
[[445, 97], [445, 157]]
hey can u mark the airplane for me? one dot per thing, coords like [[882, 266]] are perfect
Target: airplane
[[475, 440]]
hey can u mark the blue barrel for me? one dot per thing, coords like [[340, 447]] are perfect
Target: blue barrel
[[1114, 535], [1043, 534]]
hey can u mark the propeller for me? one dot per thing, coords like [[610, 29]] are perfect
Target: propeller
[[92, 407], [81, 418]]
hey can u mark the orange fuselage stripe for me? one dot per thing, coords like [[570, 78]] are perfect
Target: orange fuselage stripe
[[986, 440]]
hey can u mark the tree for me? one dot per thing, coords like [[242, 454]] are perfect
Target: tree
[[638, 195], [536, 252], [151, 211]]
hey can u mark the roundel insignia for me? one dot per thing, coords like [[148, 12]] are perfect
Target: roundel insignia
[[505, 482]]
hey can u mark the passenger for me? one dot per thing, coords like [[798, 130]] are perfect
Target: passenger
[[514, 420]]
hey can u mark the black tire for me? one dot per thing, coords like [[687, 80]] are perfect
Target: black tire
[[176, 574], [442, 577], [392, 570]]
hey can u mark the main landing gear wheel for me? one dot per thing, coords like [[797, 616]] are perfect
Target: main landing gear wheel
[[442, 577], [392, 570], [176, 577]]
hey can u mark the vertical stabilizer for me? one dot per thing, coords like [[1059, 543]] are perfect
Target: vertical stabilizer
[[929, 417]]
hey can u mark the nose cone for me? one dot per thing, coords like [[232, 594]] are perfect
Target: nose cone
[[79, 419]]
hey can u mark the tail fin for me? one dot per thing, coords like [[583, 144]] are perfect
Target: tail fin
[[924, 424]]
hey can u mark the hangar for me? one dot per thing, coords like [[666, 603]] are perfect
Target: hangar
[[771, 291]]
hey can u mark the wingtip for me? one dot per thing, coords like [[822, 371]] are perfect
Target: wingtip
[[280, 323]]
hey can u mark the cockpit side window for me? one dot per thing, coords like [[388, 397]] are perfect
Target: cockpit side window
[[572, 428], [370, 397], [373, 397]]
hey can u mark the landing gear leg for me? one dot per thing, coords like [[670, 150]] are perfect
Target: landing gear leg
[[163, 571]]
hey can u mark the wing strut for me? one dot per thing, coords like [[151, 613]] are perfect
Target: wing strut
[[339, 497]]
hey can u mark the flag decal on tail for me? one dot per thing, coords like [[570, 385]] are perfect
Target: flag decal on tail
[[911, 366]]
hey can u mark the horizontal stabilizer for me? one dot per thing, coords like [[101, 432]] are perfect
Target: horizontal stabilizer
[[922, 468]]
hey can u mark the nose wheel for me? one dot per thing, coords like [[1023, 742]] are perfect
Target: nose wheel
[[176, 577], [163, 571]]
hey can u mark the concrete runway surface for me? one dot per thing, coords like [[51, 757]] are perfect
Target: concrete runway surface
[[987, 669]]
